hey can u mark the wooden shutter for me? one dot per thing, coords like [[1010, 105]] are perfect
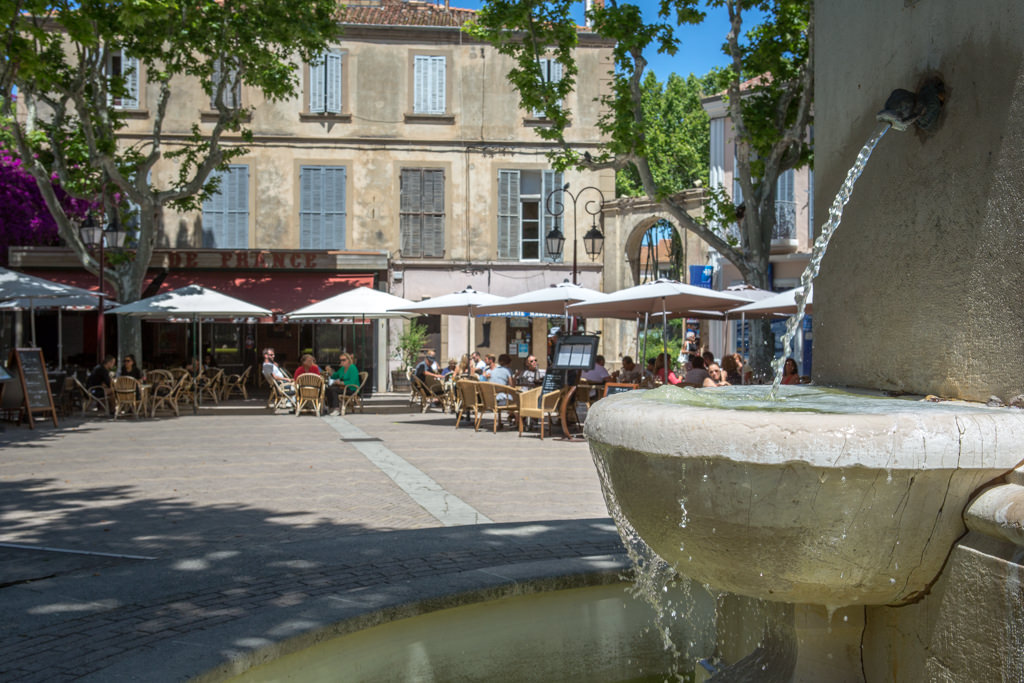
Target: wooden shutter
[[550, 181], [322, 212], [409, 208], [332, 83], [317, 81], [130, 73], [784, 186], [429, 84], [232, 97], [433, 213], [508, 215], [226, 214]]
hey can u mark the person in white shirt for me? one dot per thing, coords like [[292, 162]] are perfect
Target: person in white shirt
[[597, 374]]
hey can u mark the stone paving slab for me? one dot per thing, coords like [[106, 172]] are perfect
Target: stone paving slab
[[264, 529]]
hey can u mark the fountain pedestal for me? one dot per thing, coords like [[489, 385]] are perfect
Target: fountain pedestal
[[801, 507]]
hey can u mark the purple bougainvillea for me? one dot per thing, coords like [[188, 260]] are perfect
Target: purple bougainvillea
[[24, 218]]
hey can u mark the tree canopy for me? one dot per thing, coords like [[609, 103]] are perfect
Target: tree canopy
[[768, 88], [69, 69]]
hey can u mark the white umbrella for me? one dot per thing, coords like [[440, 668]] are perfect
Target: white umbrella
[[361, 302], [466, 302], [15, 286], [783, 303], [661, 297], [75, 302], [549, 300], [192, 302]]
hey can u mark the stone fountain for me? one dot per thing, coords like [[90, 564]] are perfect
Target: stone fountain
[[883, 543]]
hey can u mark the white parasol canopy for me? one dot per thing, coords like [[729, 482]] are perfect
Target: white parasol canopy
[[361, 302], [15, 285], [550, 300], [467, 302], [191, 302], [662, 297], [783, 303]]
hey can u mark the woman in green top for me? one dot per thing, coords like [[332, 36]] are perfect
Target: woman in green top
[[343, 380]]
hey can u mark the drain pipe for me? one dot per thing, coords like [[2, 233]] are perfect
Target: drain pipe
[[998, 512]]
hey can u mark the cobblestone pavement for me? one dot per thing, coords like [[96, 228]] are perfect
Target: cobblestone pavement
[[162, 549]]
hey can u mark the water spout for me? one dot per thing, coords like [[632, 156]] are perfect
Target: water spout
[[904, 109]]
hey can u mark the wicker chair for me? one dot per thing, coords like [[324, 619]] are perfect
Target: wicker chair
[[235, 383], [533, 404], [353, 399], [426, 397], [469, 401], [489, 399], [90, 399], [210, 384], [309, 393], [128, 396], [165, 395]]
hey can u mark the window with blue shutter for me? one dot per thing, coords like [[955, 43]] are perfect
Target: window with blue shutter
[[123, 72], [550, 181], [325, 84], [429, 84], [226, 214], [421, 213], [232, 87], [508, 214], [322, 212], [524, 213], [550, 72]]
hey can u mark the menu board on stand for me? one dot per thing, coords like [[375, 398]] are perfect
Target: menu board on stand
[[35, 385]]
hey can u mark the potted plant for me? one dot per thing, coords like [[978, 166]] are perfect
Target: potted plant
[[407, 351]]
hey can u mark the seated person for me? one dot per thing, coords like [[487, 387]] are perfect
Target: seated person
[[698, 374], [130, 368], [272, 371], [790, 373], [427, 372], [308, 364], [630, 372], [531, 376], [477, 364], [597, 374], [500, 374], [716, 377], [344, 380], [98, 382]]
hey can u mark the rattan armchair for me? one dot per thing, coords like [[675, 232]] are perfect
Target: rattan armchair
[[128, 396], [235, 383], [309, 393], [352, 398], [533, 405], [489, 400], [165, 394], [90, 400], [469, 401]]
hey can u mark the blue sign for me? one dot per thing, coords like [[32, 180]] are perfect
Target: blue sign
[[700, 276]]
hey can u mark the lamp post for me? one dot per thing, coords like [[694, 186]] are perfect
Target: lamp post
[[93, 235], [593, 241]]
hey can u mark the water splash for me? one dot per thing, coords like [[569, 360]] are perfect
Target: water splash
[[835, 217]]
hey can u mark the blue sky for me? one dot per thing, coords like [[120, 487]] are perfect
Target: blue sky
[[699, 49]]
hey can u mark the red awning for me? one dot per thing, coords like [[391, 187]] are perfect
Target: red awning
[[280, 291]]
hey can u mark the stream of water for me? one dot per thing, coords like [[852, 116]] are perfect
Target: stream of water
[[835, 217]]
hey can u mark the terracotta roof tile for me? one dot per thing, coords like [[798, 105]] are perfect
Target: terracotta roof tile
[[405, 13]]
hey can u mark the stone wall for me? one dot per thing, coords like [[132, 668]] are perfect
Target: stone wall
[[920, 289]]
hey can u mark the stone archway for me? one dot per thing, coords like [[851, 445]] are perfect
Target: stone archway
[[625, 221]]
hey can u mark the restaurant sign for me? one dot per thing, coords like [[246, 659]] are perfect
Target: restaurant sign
[[247, 259]]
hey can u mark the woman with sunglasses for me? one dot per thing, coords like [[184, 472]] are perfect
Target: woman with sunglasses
[[343, 380]]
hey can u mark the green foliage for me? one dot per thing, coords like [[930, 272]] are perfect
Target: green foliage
[[677, 134], [55, 69], [410, 343]]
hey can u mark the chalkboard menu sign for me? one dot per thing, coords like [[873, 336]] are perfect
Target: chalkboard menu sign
[[554, 379], [618, 388], [35, 385]]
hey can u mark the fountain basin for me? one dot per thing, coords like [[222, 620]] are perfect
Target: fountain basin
[[828, 498]]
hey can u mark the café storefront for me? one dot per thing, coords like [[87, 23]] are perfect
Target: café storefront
[[279, 280]]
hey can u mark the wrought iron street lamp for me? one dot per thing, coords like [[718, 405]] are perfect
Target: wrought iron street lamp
[[94, 235], [593, 241]]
